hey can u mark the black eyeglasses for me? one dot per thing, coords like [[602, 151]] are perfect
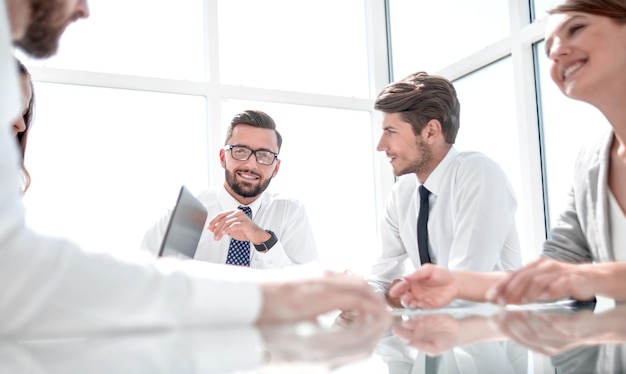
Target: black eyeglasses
[[242, 153]]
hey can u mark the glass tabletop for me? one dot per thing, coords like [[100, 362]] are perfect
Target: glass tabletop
[[468, 338]]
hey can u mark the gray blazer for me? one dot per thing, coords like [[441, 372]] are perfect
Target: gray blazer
[[582, 232]]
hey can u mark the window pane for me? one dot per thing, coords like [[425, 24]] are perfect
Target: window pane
[[489, 124], [305, 46], [426, 35], [540, 8], [327, 163], [153, 38], [566, 126], [106, 163]]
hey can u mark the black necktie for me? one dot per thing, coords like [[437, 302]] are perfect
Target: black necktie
[[422, 225], [238, 251], [432, 364]]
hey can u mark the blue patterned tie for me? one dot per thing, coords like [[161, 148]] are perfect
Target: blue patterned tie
[[238, 251]]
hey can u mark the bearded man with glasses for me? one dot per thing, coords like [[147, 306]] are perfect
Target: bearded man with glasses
[[278, 230]]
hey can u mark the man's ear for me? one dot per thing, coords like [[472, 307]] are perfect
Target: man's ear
[[432, 131], [223, 158], [276, 168]]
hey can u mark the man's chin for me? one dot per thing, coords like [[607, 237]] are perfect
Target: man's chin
[[247, 192], [38, 51], [399, 173]]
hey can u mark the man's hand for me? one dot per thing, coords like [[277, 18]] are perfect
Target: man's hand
[[237, 225], [305, 297], [428, 287], [394, 302]]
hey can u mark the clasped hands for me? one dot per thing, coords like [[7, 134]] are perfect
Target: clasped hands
[[544, 279]]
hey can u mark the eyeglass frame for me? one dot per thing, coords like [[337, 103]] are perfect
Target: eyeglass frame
[[229, 147]]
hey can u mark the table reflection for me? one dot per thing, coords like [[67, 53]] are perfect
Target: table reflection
[[608, 358], [485, 357], [552, 332], [488, 339], [304, 347], [581, 341]]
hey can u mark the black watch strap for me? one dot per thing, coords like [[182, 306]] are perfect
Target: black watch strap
[[269, 243]]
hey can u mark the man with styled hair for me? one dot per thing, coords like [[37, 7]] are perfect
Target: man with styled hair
[[462, 200]]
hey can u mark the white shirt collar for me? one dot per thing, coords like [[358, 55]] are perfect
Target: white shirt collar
[[228, 202], [434, 180]]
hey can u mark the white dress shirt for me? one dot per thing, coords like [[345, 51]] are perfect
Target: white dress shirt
[[51, 286], [471, 223], [618, 234], [286, 217]]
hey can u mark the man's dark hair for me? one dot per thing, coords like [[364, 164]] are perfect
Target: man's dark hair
[[254, 118], [420, 98]]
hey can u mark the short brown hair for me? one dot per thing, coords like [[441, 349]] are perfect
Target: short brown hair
[[254, 118], [420, 98]]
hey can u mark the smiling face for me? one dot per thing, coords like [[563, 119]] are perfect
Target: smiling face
[[246, 180], [407, 152], [587, 55]]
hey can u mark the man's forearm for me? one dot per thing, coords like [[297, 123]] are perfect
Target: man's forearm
[[473, 286]]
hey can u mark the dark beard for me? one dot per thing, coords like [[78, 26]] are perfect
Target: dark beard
[[41, 39], [243, 189], [423, 164]]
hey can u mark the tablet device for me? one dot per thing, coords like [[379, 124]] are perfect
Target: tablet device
[[185, 226]]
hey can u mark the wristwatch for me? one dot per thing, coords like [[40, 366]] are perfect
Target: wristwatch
[[269, 243]]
